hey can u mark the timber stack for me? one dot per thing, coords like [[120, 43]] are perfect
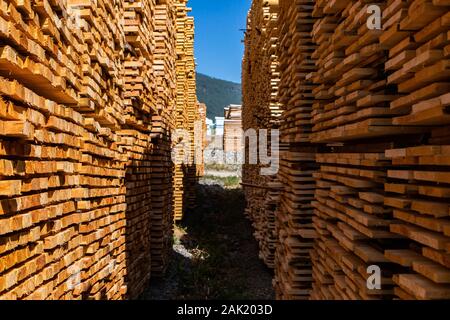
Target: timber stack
[[187, 113], [87, 108], [293, 272], [139, 103], [163, 122], [366, 176], [192, 110], [366, 79], [351, 108], [261, 111], [418, 64], [200, 138]]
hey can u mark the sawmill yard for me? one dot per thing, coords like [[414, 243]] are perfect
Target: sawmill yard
[[107, 191]]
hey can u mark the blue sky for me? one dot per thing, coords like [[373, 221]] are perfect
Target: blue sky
[[218, 47]]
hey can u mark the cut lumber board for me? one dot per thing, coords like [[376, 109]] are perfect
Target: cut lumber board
[[261, 111]]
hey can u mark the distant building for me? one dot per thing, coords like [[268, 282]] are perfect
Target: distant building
[[232, 136], [219, 126], [209, 127]]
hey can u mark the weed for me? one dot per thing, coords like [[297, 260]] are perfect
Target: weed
[[228, 182]]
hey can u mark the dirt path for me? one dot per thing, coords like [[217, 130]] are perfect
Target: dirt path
[[215, 255]]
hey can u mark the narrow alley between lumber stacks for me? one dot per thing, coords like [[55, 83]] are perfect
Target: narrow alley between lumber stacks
[[215, 255]]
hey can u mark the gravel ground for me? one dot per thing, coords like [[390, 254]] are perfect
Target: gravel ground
[[222, 174], [215, 255]]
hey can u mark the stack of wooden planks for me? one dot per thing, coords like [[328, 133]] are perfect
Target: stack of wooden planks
[[417, 39], [139, 106], [353, 93], [364, 99], [187, 114], [67, 198], [352, 223], [417, 36], [293, 272], [365, 176], [163, 121], [232, 132], [201, 139], [87, 100], [181, 111], [350, 104], [193, 116], [417, 192], [260, 111]]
